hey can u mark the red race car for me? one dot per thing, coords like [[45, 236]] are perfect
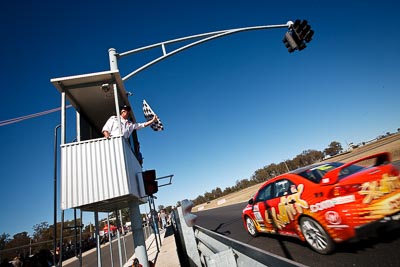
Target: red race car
[[328, 203]]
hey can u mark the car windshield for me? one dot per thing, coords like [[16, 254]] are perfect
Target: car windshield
[[315, 173]]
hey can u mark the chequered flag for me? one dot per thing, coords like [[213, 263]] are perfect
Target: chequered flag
[[148, 114]]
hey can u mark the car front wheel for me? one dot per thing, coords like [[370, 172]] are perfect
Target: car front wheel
[[251, 228], [316, 236]]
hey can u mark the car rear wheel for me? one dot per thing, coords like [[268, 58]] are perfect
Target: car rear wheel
[[251, 228], [316, 236]]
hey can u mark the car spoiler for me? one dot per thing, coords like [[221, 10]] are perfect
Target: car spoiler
[[332, 176]]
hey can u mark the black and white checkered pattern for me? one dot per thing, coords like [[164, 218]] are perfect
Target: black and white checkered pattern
[[148, 114]]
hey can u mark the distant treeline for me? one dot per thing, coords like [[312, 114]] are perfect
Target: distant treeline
[[307, 157]]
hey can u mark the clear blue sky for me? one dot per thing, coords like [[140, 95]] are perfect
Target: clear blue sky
[[229, 106]]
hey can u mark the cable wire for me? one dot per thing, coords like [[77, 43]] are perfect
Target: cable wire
[[26, 117]]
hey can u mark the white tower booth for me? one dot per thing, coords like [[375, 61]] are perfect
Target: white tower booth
[[99, 174]]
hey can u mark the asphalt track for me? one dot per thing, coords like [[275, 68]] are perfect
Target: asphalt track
[[375, 251]]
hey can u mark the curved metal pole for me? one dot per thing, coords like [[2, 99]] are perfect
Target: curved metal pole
[[207, 37]]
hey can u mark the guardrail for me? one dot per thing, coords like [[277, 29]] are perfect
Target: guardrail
[[198, 246]]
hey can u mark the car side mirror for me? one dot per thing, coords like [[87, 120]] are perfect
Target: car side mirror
[[251, 201]]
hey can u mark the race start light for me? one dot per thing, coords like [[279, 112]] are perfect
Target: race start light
[[298, 35], [150, 183]]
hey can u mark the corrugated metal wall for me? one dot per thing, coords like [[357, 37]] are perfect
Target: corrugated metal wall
[[97, 170]]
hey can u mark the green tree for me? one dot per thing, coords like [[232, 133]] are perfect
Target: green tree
[[333, 149], [228, 190], [217, 192], [19, 240], [4, 239], [41, 232], [208, 196], [260, 175], [315, 155]]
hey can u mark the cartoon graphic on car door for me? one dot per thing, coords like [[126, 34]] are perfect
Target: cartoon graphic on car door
[[277, 205], [260, 208], [284, 206]]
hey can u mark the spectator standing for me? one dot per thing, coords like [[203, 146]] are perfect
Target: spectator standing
[[163, 218]]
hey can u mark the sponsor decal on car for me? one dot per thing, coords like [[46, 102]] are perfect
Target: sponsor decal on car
[[258, 217], [377, 189], [330, 203], [333, 217], [394, 204], [288, 207], [334, 220], [382, 208]]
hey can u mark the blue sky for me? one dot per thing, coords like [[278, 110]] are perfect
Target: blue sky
[[229, 106]]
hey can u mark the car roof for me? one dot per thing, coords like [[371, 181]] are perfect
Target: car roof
[[296, 173], [302, 169]]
